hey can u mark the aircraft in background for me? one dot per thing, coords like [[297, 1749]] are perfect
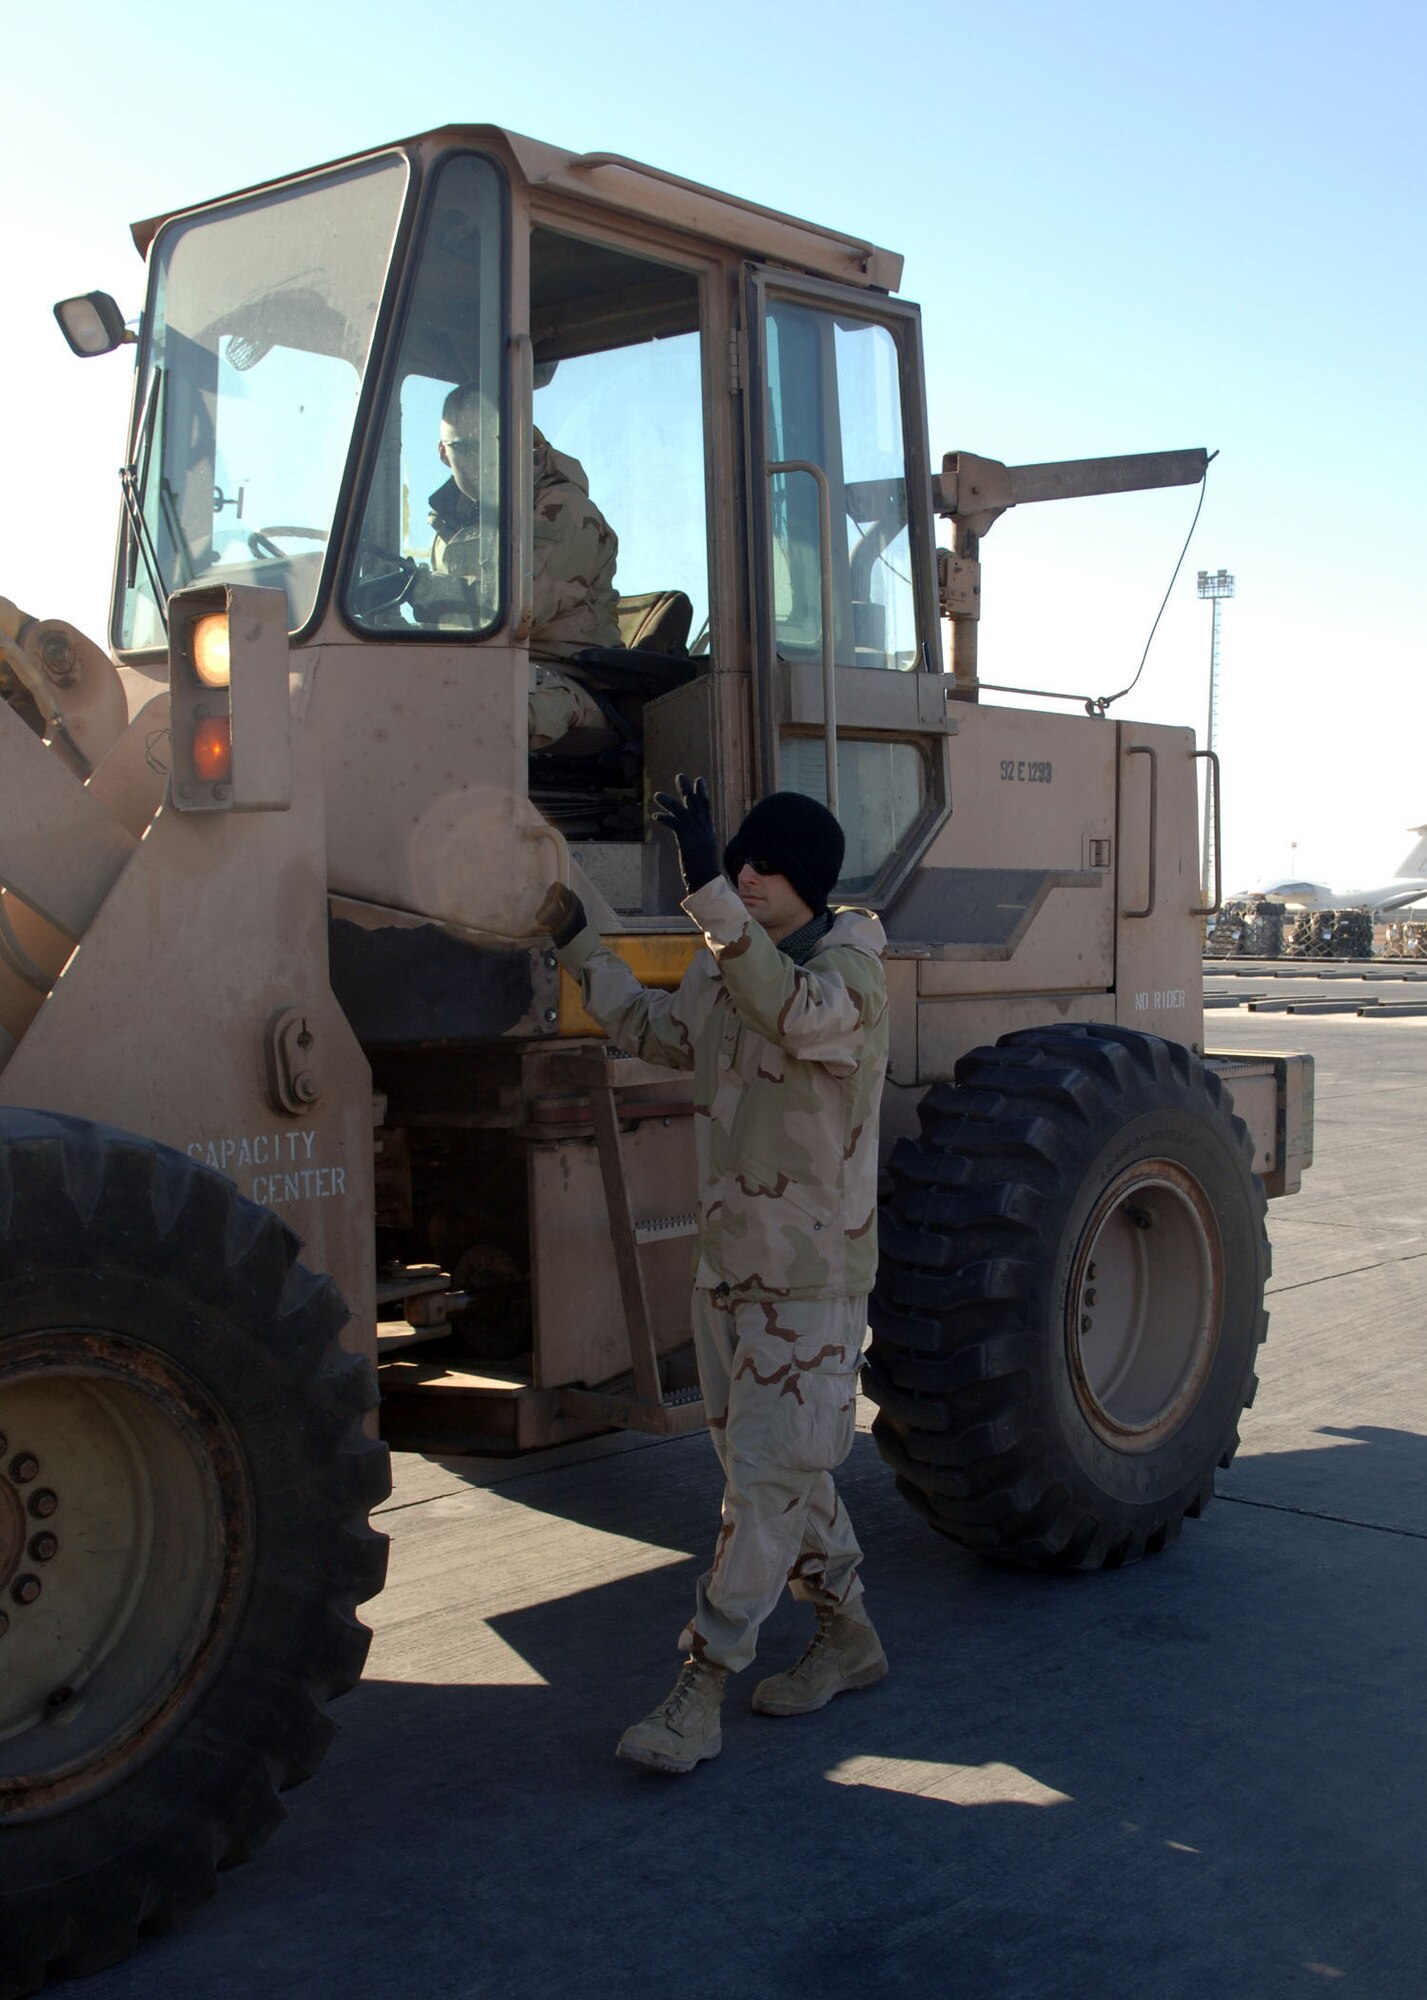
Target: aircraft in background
[[1408, 885]]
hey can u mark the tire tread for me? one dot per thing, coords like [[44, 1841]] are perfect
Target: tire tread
[[956, 1308], [66, 1182]]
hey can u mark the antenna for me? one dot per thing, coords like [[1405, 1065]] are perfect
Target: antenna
[[1217, 585]]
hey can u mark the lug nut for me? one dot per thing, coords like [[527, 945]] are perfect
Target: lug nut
[[44, 1546], [25, 1589], [59, 1697], [23, 1467], [1090, 1296], [1086, 1322], [43, 1503], [1090, 1272]]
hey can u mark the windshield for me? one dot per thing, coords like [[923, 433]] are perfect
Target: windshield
[[259, 329]]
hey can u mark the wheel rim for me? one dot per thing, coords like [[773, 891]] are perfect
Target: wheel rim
[[1144, 1305], [125, 1544]]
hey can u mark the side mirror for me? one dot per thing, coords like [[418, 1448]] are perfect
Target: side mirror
[[92, 324]]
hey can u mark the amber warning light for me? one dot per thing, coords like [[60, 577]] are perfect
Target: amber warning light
[[213, 750], [229, 700]]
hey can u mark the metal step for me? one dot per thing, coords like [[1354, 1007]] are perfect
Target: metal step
[[394, 1334], [674, 1415], [411, 1283]]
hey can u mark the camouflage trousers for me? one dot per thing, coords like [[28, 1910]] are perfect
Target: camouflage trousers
[[559, 709], [780, 1388]]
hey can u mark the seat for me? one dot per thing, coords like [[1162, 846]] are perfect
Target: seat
[[656, 622]]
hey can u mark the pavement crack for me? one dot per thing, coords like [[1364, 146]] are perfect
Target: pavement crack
[[1328, 1277], [1317, 1514]]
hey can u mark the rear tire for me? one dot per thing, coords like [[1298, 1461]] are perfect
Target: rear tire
[[184, 1488], [1070, 1297]]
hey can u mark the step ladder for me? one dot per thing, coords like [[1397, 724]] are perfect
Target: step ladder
[[650, 1407]]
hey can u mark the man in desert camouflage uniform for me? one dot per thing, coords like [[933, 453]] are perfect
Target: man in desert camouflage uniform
[[783, 1021], [574, 601]]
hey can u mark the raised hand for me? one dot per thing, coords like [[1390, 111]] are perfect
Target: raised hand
[[691, 819]]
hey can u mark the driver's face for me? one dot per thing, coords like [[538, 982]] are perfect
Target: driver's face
[[461, 456]]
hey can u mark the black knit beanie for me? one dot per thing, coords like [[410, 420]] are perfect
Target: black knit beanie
[[798, 838]]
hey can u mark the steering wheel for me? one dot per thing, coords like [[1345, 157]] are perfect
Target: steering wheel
[[384, 579], [262, 545]]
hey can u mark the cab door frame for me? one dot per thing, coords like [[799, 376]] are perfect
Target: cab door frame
[[870, 702]]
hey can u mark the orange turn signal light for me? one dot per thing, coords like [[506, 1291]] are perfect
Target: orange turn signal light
[[213, 750]]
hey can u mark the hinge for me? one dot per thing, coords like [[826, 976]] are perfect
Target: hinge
[[290, 1058], [735, 362], [958, 581]]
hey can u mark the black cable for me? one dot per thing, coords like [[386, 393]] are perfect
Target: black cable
[[1102, 702]]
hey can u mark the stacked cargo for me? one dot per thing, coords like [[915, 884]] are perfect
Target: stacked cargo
[[1332, 934]]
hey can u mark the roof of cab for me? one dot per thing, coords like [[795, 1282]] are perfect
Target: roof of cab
[[612, 181]]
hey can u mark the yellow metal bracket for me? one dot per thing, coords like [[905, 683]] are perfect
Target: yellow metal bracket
[[656, 958]]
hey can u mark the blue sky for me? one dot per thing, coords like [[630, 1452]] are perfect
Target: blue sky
[[1130, 226]]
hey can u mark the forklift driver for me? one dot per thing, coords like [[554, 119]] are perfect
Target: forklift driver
[[575, 549]]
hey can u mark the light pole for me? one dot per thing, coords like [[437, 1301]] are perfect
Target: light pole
[[1217, 585]]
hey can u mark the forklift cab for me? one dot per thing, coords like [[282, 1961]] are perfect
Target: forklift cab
[[744, 402]]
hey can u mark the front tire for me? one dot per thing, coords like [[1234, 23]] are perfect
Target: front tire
[[1070, 1297], [184, 1489]]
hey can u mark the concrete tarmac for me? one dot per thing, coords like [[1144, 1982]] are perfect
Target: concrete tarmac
[[1204, 1775]]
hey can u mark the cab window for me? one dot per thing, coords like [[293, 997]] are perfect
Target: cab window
[[437, 482], [620, 603], [834, 401], [618, 389]]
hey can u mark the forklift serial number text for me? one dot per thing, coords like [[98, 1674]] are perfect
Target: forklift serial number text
[[1021, 771]]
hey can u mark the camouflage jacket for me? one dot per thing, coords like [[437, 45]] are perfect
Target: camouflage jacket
[[458, 549], [575, 548], [788, 1066]]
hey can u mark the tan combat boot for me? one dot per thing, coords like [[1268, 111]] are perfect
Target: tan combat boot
[[684, 1729], [843, 1653]]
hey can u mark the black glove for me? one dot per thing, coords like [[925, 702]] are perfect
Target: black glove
[[562, 914], [692, 820]]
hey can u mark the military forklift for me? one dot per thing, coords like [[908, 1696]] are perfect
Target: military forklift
[[293, 1092]]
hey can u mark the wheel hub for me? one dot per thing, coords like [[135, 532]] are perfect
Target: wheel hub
[[123, 1521], [1145, 1304]]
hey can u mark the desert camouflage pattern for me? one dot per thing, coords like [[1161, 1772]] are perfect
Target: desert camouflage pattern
[[575, 551], [780, 1389], [575, 601], [459, 547], [788, 1066], [560, 711]]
